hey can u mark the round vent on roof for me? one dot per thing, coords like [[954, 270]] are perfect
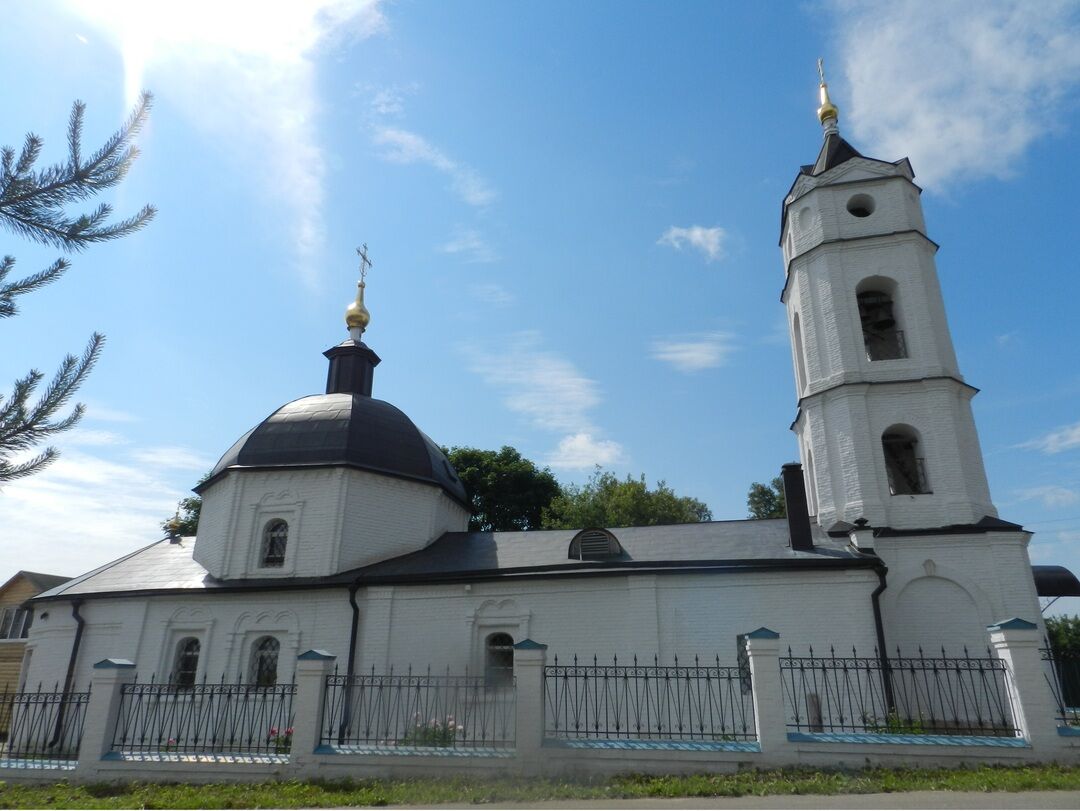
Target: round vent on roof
[[594, 544]]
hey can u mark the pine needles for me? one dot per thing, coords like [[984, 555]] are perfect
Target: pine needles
[[34, 205]]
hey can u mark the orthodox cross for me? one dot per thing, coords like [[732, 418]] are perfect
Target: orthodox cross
[[820, 72], [365, 263]]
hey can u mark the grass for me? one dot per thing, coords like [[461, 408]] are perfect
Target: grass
[[296, 794]]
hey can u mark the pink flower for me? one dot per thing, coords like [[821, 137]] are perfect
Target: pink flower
[[289, 731], [273, 730], [172, 741]]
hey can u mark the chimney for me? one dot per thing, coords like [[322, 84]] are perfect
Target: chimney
[[798, 516]]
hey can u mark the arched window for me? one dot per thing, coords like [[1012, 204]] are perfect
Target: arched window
[[499, 660], [262, 670], [811, 484], [275, 538], [594, 544], [800, 360], [186, 662], [904, 465], [883, 338]]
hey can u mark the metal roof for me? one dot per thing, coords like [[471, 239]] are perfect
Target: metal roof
[[729, 545], [342, 429]]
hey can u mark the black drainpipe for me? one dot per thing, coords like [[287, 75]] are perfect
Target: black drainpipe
[[80, 623], [879, 627], [350, 667]]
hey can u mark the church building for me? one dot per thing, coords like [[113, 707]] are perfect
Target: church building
[[337, 524]]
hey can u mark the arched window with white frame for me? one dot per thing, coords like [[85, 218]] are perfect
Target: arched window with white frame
[[499, 660], [185, 667], [274, 542], [263, 664], [905, 464]]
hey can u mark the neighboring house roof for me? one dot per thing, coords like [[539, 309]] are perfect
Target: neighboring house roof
[[40, 581], [342, 429], [715, 545]]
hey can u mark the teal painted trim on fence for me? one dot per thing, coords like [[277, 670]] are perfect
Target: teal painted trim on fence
[[1069, 732], [1014, 624], [676, 746], [906, 740], [36, 765], [415, 751]]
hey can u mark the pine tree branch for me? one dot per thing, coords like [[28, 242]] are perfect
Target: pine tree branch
[[36, 281]]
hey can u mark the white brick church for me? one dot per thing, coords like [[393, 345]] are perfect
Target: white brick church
[[337, 524]]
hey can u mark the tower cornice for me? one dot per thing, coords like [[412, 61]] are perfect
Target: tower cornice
[[847, 240]]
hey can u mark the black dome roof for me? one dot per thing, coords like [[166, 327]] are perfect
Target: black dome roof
[[348, 429]]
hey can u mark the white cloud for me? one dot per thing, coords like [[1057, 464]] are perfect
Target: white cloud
[[172, 458], [493, 294], [246, 77], [551, 394], [402, 146], [963, 89], [1051, 495], [89, 437], [693, 353], [101, 413], [1063, 439], [83, 511], [469, 245], [709, 241], [583, 451]]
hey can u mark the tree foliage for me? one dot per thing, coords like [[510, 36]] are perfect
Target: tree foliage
[[507, 491], [767, 500], [33, 205], [1064, 633], [607, 501]]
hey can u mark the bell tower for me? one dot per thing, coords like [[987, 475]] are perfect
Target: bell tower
[[884, 418]]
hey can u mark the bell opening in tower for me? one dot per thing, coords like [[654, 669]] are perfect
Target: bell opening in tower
[[883, 339]]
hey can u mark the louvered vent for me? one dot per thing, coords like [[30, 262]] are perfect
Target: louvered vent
[[594, 544]]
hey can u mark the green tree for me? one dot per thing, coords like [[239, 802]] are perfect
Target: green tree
[[1064, 633], [607, 501], [767, 500], [507, 491], [185, 522], [33, 205]]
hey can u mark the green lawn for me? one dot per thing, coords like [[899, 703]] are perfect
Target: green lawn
[[427, 792]]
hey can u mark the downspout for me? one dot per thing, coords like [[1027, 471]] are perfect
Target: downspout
[[350, 667], [80, 623], [879, 627]]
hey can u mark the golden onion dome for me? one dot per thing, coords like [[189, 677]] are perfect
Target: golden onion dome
[[827, 109], [356, 314]]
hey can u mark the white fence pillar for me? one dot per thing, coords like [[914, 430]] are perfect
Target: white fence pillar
[[102, 711], [529, 660], [312, 668], [770, 717], [1034, 711]]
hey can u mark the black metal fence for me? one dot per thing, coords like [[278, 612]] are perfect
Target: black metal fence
[[920, 695], [1063, 677], [413, 709], [701, 702], [41, 724], [220, 718]]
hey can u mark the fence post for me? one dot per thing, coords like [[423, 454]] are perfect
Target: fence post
[[312, 668], [763, 652], [1034, 712], [102, 711], [529, 660]]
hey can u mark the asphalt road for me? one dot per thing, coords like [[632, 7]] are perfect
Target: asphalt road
[[910, 799]]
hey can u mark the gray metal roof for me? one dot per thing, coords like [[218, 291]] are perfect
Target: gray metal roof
[[165, 567], [343, 429]]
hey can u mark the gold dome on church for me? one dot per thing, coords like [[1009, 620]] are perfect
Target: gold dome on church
[[356, 314], [827, 109]]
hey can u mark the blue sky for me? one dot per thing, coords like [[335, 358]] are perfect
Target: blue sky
[[572, 209]]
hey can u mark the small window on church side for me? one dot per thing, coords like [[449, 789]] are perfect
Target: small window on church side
[[906, 469], [499, 661], [186, 662], [262, 671], [881, 336], [275, 538]]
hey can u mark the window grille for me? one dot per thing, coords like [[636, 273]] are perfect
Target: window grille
[[881, 335], [186, 664], [275, 539], [905, 468], [264, 662], [499, 661]]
